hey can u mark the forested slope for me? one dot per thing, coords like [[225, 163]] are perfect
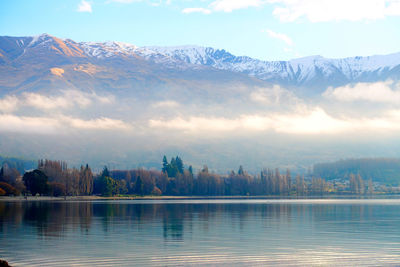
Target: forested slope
[[383, 170]]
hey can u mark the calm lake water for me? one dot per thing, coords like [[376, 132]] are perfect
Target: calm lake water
[[201, 232]]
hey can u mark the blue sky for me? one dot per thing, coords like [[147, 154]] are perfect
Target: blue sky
[[264, 29]]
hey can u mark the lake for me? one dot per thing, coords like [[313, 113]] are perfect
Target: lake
[[201, 232]]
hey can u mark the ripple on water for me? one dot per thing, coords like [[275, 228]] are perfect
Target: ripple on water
[[201, 232]]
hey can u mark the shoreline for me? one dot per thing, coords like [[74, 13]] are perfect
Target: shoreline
[[101, 198]]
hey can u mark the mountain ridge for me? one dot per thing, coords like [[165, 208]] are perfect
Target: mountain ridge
[[48, 64], [173, 98], [313, 72]]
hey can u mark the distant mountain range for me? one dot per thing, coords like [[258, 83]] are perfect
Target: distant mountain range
[[194, 86], [45, 62], [309, 71]]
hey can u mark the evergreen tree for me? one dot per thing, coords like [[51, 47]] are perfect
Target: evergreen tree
[[179, 164], [173, 168], [191, 170], [165, 165], [105, 172], [139, 186], [241, 171], [107, 185]]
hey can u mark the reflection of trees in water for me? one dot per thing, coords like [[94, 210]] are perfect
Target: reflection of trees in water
[[10, 215], [53, 218], [177, 220], [141, 216], [48, 218], [173, 221], [37, 214]]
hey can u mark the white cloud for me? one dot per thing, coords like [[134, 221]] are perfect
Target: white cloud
[[85, 6], [9, 103], [53, 122], [230, 5], [126, 1], [196, 10], [225, 6], [287, 50], [67, 99], [378, 92], [279, 36], [307, 122], [96, 124], [23, 124], [153, 3], [292, 10], [274, 95], [57, 124], [311, 122], [197, 124], [44, 102], [337, 10], [317, 121], [393, 8], [166, 104]]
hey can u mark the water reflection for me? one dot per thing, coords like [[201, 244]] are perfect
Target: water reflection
[[205, 231], [54, 218], [47, 218]]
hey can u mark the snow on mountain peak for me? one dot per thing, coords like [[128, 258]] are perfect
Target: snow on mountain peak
[[40, 39], [295, 71], [189, 54], [108, 49], [299, 70]]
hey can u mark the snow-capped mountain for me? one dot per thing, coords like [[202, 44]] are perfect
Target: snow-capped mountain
[[46, 63], [300, 71], [190, 61], [114, 49], [145, 87]]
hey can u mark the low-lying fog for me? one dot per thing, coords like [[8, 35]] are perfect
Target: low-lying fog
[[254, 127]]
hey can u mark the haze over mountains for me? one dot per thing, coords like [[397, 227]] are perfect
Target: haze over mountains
[[116, 102]]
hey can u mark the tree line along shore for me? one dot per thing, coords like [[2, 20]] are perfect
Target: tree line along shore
[[55, 178]]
